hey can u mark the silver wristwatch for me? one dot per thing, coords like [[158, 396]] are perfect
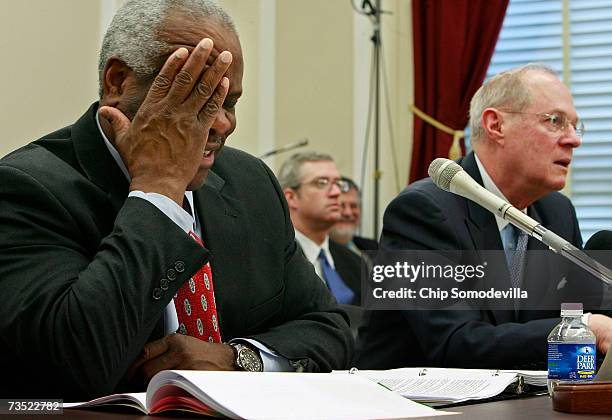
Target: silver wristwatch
[[247, 358]]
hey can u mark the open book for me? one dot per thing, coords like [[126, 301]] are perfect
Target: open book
[[439, 386], [268, 395]]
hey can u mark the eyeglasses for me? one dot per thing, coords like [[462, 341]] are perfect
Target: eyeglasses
[[323, 183], [555, 121]]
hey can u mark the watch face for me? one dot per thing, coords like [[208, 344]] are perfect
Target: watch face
[[249, 360]]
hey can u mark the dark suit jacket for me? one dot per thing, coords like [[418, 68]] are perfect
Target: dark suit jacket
[[348, 265], [424, 217], [81, 267], [365, 244]]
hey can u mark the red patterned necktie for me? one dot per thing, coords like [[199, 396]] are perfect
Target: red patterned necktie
[[195, 305]]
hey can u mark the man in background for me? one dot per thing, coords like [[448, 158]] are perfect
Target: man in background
[[345, 231], [312, 186], [130, 244], [524, 129]]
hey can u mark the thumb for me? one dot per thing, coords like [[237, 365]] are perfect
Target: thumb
[[118, 121]]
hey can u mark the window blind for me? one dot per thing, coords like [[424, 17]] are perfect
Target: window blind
[[533, 32]]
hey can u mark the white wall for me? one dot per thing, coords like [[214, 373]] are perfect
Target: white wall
[[48, 75]]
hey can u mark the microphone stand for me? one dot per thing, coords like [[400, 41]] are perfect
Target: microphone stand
[[558, 245], [555, 243], [375, 12]]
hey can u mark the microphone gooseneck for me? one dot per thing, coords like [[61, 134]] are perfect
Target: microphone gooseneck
[[286, 148]]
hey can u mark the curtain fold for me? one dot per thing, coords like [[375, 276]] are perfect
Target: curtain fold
[[454, 41]]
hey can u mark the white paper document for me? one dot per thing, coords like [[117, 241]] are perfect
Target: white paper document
[[269, 395], [439, 386]]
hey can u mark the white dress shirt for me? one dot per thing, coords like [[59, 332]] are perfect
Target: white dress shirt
[[312, 251], [491, 187]]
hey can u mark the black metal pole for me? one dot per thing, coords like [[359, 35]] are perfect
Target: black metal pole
[[377, 173]]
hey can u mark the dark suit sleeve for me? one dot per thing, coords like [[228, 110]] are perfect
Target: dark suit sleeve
[[312, 331], [77, 309], [417, 220]]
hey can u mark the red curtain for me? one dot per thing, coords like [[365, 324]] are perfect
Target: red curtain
[[453, 44]]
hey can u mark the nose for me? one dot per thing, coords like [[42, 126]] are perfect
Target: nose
[[334, 191], [222, 124], [572, 139]]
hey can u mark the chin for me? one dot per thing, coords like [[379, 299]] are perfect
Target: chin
[[555, 184], [344, 229], [198, 181]]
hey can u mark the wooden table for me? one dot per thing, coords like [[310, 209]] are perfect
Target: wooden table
[[515, 409]]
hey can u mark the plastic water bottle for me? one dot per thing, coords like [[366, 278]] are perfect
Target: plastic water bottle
[[571, 348]]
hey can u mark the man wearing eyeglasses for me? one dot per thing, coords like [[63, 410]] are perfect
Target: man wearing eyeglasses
[[312, 185], [345, 230], [524, 129]]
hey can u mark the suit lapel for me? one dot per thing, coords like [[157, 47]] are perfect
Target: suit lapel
[[485, 236], [222, 220], [540, 273], [96, 161], [480, 222]]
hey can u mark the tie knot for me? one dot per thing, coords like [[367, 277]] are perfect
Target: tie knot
[[322, 256]]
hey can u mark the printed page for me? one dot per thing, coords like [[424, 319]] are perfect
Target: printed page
[[437, 386], [448, 390]]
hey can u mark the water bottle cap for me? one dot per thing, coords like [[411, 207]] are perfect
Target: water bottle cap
[[571, 309]]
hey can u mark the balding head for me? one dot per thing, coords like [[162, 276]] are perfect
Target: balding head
[[506, 90]]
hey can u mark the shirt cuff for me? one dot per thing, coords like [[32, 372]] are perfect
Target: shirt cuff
[[167, 206], [272, 362]]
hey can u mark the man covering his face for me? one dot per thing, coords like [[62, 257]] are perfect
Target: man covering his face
[[131, 244]]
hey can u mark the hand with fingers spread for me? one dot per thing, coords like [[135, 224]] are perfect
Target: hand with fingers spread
[[163, 146], [177, 351]]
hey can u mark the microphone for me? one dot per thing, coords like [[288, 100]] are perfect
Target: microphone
[[601, 240], [449, 176], [290, 146]]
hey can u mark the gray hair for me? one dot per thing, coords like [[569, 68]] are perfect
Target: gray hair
[[504, 90], [290, 173], [132, 35]]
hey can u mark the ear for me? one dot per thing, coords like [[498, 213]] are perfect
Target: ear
[[493, 125], [291, 197], [116, 78]]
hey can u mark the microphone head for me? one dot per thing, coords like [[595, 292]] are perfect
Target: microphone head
[[602, 240], [442, 171], [302, 142]]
